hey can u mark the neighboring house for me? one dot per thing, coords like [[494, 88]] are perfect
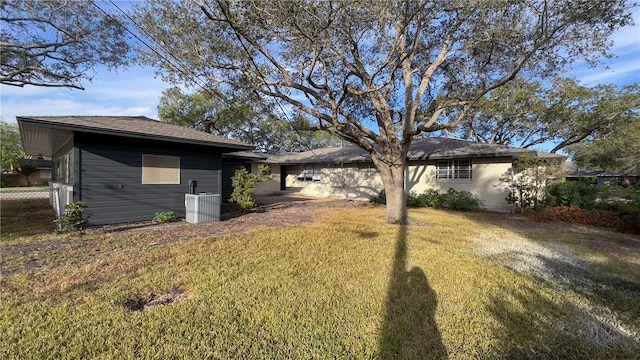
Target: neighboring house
[[41, 177], [433, 163], [126, 168], [602, 178]]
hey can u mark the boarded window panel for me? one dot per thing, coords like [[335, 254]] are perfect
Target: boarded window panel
[[150, 169], [157, 169], [170, 170]]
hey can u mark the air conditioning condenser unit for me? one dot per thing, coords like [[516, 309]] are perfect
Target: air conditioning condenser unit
[[202, 207]]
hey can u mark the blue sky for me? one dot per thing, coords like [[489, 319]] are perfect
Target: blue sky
[[135, 91]]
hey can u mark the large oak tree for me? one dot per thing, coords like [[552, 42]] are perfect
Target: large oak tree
[[377, 72], [55, 43], [565, 113], [617, 151], [243, 117]]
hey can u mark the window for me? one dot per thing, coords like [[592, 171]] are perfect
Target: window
[[63, 169], [313, 173], [158, 169], [453, 169]]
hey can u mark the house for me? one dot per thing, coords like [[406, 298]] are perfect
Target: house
[[41, 177], [125, 168], [433, 163], [235, 160], [602, 178]]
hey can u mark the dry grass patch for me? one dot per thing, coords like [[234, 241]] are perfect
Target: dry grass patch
[[345, 286], [25, 217]]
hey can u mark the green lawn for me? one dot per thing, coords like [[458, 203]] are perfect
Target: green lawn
[[345, 286]]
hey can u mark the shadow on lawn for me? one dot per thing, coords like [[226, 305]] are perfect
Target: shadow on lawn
[[409, 330], [558, 261], [535, 326]]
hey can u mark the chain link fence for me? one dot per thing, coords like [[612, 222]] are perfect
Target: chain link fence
[[24, 193]]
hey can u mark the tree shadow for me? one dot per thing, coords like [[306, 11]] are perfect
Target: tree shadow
[[534, 326], [409, 330], [561, 263]]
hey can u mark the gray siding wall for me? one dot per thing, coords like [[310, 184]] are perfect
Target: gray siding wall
[[110, 179], [229, 167]]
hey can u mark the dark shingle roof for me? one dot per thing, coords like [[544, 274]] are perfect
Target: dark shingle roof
[[133, 126], [246, 155], [38, 163], [421, 149], [597, 173]]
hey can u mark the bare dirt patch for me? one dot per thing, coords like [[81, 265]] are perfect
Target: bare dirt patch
[[142, 303]]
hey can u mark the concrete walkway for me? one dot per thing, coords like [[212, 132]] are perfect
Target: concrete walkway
[[287, 198]]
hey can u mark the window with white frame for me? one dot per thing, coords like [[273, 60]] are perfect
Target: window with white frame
[[160, 169], [453, 169], [63, 168], [309, 173]]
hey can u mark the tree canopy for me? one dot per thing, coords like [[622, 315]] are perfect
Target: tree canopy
[[526, 114], [245, 118], [55, 43], [617, 151], [10, 145], [377, 73]]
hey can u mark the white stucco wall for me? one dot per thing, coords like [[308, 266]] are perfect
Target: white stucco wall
[[362, 181], [270, 186], [485, 182], [350, 181]]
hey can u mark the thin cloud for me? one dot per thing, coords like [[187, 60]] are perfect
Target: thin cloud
[[132, 92]]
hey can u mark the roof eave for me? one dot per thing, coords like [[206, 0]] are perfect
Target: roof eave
[[87, 129]]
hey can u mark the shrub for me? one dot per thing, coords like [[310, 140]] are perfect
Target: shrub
[[243, 189], [165, 217], [459, 200], [414, 200], [4, 182], [452, 199], [380, 199], [73, 218], [629, 209], [244, 186], [527, 179], [432, 198], [574, 193]]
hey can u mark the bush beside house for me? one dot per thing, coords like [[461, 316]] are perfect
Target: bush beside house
[[451, 199], [580, 203]]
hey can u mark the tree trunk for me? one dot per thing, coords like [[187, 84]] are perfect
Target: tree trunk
[[393, 180]]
